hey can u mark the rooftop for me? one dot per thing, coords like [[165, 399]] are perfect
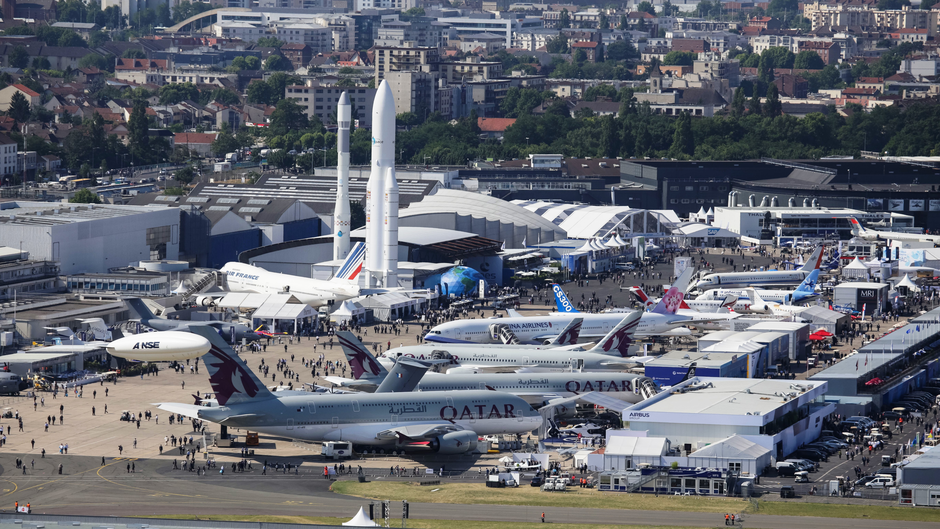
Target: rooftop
[[50, 213]]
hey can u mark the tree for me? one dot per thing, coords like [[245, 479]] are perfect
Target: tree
[[738, 102], [269, 42], [669, 9], [371, 83], [186, 9], [772, 107], [276, 63], [683, 144], [185, 175], [579, 56], [753, 105], [19, 57], [621, 50], [644, 141], [19, 107], [249, 62], [138, 128], [646, 7], [259, 92], [174, 93], [98, 38], [808, 60], [778, 57], [281, 159], [564, 20], [603, 22], [224, 143], [892, 4], [679, 58], [93, 60], [558, 44], [287, 117], [84, 196]]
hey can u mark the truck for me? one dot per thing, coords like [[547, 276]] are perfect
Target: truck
[[231, 157], [221, 167], [336, 449]]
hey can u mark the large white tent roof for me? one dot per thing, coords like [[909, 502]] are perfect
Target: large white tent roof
[[581, 221]]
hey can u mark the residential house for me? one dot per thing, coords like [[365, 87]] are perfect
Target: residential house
[[50, 163], [6, 96], [690, 45], [197, 143], [764, 22], [494, 128], [829, 52], [790, 85], [593, 50], [7, 155], [876, 83], [297, 53]]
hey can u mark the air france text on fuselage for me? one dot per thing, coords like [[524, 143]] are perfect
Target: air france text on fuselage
[[241, 275]]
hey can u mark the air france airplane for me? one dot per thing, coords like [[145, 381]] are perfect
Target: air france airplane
[[446, 422], [756, 279], [240, 277]]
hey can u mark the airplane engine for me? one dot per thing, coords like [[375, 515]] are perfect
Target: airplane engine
[[205, 301], [455, 443], [759, 307]]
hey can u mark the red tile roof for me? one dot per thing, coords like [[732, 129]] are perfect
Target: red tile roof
[[494, 124], [195, 137], [26, 90], [584, 45]]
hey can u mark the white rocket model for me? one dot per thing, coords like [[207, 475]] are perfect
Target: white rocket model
[[341, 212], [382, 228]]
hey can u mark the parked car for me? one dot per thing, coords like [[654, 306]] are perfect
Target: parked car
[[537, 481], [787, 492], [880, 482]]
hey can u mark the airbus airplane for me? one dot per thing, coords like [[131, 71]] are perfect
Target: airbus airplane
[[233, 331], [771, 277], [698, 317], [446, 422], [537, 390], [872, 235], [661, 321], [240, 277], [805, 291], [611, 352], [778, 309]]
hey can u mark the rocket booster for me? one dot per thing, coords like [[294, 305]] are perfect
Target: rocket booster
[[341, 213], [383, 158], [390, 256]]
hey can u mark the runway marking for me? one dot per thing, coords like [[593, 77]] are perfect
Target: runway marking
[[141, 488], [41, 485]]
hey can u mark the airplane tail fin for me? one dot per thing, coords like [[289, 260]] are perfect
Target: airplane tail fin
[[809, 284], [620, 338], [728, 302], [141, 308], [814, 260], [674, 296], [562, 301], [98, 328], [644, 299], [569, 335], [857, 228], [689, 374], [352, 265], [403, 377], [230, 377], [362, 363]]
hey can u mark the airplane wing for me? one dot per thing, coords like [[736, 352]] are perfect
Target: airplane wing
[[418, 431], [505, 368], [186, 410], [513, 313]]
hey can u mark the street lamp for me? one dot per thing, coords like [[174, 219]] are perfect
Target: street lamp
[[526, 141]]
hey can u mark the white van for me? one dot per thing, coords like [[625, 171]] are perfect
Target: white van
[[880, 482]]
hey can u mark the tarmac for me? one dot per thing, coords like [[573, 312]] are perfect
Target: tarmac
[[151, 487]]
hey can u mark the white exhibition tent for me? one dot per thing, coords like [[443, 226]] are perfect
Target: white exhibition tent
[[625, 452], [907, 283], [855, 269], [361, 519], [348, 310], [752, 457]]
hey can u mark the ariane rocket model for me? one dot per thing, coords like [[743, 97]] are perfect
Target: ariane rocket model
[[382, 195], [341, 213]]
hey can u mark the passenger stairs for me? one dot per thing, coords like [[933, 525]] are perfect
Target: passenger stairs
[[201, 285], [648, 388]]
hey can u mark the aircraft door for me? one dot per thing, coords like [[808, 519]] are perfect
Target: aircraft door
[[525, 360], [577, 364], [483, 385], [312, 407], [450, 402], [290, 424], [356, 405], [394, 420], [335, 422]]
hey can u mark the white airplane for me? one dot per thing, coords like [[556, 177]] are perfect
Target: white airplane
[[432, 422], [612, 352], [777, 309], [240, 277], [705, 310], [159, 346], [769, 278], [536, 390], [873, 235], [806, 290]]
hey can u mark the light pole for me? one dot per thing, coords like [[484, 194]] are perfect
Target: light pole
[[527, 142]]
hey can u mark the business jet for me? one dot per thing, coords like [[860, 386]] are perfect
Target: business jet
[[234, 331], [805, 291], [873, 235], [755, 279], [704, 314], [777, 309], [240, 277], [430, 422]]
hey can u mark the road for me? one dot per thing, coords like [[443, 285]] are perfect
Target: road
[[155, 489]]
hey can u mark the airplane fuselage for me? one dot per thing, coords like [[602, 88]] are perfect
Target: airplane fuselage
[[748, 279], [533, 387], [361, 418], [777, 296], [473, 356], [536, 328], [240, 277]]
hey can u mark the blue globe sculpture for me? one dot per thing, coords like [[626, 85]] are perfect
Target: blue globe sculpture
[[460, 281]]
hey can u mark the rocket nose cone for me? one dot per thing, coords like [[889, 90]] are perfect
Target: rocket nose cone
[[344, 99], [384, 101]]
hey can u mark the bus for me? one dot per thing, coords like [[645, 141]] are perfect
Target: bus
[[80, 183]]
